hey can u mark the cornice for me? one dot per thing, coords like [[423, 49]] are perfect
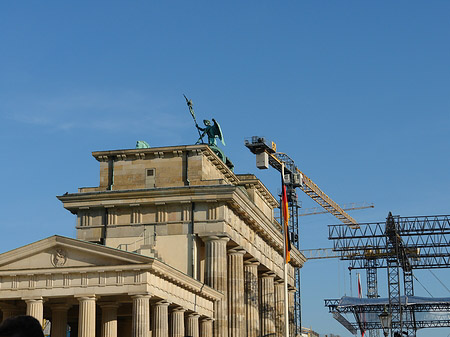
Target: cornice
[[220, 165], [175, 276], [260, 187], [152, 152], [75, 270], [147, 196], [61, 241], [259, 222]]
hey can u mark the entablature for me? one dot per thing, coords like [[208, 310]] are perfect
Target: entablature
[[231, 195]]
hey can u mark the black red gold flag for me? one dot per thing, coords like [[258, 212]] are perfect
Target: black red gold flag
[[285, 212]]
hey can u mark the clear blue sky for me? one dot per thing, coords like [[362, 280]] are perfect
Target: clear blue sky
[[356, 92]]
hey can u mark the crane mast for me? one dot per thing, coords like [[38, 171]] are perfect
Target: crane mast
[[266, 155]]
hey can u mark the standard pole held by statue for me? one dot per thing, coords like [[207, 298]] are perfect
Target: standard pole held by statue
[[191, 110]]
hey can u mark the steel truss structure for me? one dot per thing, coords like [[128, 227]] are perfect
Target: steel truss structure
[[333, 306], [294, 236], [401, 244], [372, 285]]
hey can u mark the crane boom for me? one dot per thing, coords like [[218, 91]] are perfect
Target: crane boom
[[320, 253], [315, 193], [260, 147], [345, 207]]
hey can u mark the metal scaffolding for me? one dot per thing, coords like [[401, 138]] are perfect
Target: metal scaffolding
[[439, 309], [401, 244], [372, 286]]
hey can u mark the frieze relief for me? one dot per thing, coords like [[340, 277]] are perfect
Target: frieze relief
[[59, 257]]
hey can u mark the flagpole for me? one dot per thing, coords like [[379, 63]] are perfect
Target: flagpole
[[286, 298]]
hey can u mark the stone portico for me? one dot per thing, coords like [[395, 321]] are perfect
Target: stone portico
[[193, 248], [99, 291]]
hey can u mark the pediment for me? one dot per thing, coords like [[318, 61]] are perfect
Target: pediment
[[62, 252]]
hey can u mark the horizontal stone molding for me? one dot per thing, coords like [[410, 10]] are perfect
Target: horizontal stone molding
[[226, 194]]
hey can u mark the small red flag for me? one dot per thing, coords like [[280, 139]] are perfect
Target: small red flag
[[360, 296], [359, 286]]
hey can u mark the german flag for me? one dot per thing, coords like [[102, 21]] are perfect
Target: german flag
[[285, 213]]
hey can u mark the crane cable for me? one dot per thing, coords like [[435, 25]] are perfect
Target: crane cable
[[440, 281], [423, 286]]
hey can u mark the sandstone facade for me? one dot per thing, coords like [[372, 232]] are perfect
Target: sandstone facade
[[171, 243]]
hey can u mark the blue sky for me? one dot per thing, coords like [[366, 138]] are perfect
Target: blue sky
[[356, 92]]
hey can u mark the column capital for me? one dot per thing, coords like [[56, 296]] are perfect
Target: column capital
[[162, 303], [86, 297], [33, 299], [193, 315], [178, 308], [236, 251], [251, 261], [140, 295], [213, 237], [206, 319], [268, 274]]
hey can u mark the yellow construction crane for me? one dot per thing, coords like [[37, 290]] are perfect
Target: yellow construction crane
[[266, 154], [346, 207]]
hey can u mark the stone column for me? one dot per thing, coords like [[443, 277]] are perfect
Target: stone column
[[267, 304], [35, 308], [279, 308], [109, 319], [206, 327], [192, 325], [59, 320], [236, 308], [86, 316], [251, 297], [141, 315], [292, 322], [177, 322], [216, 278], [161, 319]]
